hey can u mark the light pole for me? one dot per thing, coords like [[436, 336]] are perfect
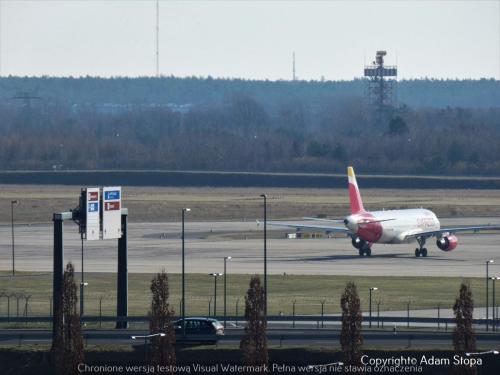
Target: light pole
[[82, 284], [265, 253], [371, 290], [215, 276], [12, 203], [82, 290], [493, 301], [487, 297], [225, 295], [184, 210]]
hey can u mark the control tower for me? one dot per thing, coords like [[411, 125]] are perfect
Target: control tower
[[381, 82]]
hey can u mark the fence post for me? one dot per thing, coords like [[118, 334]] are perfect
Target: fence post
[[100, 311], [323, 301], [378, 314], [26, 304], [2, 295], [237, 302], [18, 296], [293, 312], [408, 315], [439, 316]]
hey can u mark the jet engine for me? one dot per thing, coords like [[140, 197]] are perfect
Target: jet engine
[[447, 243]]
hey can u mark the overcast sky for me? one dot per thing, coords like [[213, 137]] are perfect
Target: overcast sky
[[250, 39]]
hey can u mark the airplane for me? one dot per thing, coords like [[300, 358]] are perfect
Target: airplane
[[389, 226]]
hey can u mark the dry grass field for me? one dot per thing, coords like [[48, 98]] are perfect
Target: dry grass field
[[162, 204], [307, 290]]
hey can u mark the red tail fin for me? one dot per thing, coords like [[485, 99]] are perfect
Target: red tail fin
[[354, 196]]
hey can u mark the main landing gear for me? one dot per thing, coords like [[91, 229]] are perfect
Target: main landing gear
[[365, 251], [421, 250]]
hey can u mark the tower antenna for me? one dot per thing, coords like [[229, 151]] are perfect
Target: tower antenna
[[381, 84], [157, 38], [293, 66]]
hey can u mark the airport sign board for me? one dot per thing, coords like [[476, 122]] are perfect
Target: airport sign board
[[111, 212], [93, 222]]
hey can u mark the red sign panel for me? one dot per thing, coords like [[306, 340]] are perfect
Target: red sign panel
[[112, 206], [93, 196]]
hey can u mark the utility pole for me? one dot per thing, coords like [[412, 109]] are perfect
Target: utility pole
[[12, 203], [184, 210], [265, 253], [488, 262]]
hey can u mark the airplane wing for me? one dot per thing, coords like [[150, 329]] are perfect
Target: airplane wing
[[439, 232], [309, 227], [325, 220]]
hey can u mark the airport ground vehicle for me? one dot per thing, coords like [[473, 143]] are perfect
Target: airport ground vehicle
[[199, 329]]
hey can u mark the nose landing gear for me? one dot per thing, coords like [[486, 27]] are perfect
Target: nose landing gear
[[421, 250], [362, 246]]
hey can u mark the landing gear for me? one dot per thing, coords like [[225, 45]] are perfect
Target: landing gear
[[365, 251], [421, 250]]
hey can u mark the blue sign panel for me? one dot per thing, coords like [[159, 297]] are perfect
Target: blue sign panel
[[112, 194], [93, 206]]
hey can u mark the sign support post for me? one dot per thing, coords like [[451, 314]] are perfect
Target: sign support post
[[122, 287], [58, 274], [88, 216]]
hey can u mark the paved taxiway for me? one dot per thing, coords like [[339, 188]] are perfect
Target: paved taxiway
[[153, 246]]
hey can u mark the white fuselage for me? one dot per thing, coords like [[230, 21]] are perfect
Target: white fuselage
[[392, 226]]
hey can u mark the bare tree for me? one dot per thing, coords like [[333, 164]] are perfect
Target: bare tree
[[351, 339], [464, 339], [161, 321], [67, 349], [253, 345]]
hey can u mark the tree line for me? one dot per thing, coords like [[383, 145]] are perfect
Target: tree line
[[81, 91], [241, 133]]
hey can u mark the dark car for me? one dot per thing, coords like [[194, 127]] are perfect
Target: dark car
[[203, 330]]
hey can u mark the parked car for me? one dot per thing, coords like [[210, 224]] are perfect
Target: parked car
[[203, 330]]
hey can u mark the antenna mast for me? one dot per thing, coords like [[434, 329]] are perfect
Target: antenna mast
[[157, 38]]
